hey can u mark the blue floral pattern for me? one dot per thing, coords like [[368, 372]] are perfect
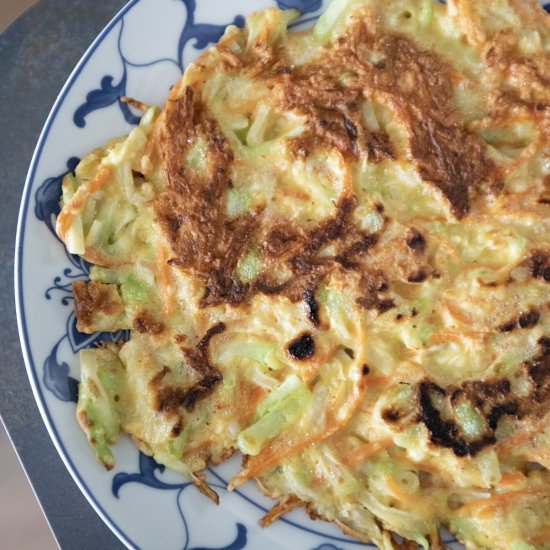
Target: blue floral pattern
[[203, 34], [109, 93], [147, 476]]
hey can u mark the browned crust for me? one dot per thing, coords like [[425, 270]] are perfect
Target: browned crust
[[445, 153], [417, 85], [191, 212], [90, 299], [285, 505], [208, 245], [492, 398], [335, 120], [145, 323], [539, 265], [169, 399]]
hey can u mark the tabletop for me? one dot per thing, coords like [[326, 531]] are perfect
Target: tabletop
[[60, 31]]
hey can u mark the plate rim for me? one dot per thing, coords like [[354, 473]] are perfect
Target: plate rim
[[26, 195]]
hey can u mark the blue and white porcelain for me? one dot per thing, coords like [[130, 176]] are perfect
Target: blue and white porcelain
[[140, 53]]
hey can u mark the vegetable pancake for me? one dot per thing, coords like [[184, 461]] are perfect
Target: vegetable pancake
[[332, 251]]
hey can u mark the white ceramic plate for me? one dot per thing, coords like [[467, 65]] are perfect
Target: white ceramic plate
[[140, 53]]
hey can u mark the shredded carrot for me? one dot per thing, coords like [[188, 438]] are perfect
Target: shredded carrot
[[366, 451], [134, 103], [456, 312], [272, 455], [101, 177], [377, 381], [249, 401], [397, 492], [309, 371], [77, 203], [164, 280], [511, 479], [344, 166], [514, 441], [451, 248], [447, 336], [281, 448], [280, 509], [487, 507]]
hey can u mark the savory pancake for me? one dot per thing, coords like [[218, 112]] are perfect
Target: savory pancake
[[332, 250]]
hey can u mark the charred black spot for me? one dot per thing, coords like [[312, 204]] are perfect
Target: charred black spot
[[385, 305], [302, 347], [268, 287], [391, 415], [312, 307], [446, 433], [379, 207], [191, 397], [544, 342], [525, 320], [365, 369], [349, 352], [529, 319], [417, 277], [507, 327], [414, 313], [415, 240], [538, 263], [351, 129], [510, 407], [399, 316], [538, 369], [441, 432], [176, 428]]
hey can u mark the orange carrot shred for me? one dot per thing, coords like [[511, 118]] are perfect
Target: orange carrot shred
[[164, 280], [366, 451], [76, 204]]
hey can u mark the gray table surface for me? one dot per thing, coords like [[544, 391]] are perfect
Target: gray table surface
[[37, 53]]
